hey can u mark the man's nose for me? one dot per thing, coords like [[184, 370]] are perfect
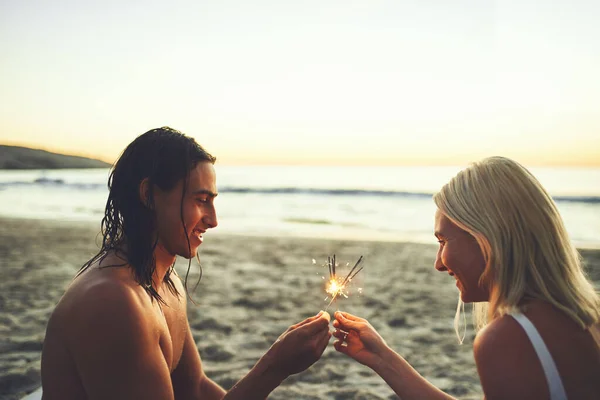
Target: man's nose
[[210, 219]]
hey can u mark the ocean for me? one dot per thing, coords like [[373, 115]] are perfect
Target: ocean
[[357, 203]]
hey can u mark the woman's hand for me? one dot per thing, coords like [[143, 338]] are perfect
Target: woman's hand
[[358, 339]]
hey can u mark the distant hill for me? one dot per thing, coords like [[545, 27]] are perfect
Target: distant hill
[[15, 157]]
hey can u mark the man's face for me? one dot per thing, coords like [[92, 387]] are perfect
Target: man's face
[[198, 211], [460, 255]]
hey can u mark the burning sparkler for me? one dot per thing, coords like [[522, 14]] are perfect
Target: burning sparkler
[[337, 285]]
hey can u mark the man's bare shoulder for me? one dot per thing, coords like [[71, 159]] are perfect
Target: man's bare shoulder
[[107, 295], [102, 296], [111, 329]]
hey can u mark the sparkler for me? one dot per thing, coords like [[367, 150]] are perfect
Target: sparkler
[[337, 285]]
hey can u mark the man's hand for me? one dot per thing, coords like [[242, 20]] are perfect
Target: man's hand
[[300, 346]]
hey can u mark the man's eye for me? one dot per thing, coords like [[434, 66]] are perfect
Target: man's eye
[[201, 200], [441, 242]]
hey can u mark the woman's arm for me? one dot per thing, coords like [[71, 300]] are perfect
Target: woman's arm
[[365, 345], [405, 380]]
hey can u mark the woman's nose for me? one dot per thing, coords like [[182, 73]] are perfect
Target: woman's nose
[[439, 265]]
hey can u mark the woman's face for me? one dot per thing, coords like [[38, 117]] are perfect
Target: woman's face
[[460, 256]]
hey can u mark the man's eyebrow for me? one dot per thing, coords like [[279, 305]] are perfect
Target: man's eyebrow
[[438, 234], [204, 191]]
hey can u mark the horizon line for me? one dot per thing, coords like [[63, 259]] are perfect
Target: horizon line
[[315, 163]]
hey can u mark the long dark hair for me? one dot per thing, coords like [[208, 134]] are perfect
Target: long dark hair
[[164, 156]]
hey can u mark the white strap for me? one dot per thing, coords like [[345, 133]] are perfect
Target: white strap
[[555, 385]]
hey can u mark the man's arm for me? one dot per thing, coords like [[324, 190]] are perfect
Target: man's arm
[[116, 346], [189, 380], [295, 350], [191, 383]]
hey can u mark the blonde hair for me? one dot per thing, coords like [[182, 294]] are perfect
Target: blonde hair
[[521, 234]]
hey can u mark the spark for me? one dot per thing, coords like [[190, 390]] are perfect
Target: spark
[[337, 285]]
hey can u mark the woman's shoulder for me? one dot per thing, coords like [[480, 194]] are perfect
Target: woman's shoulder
[[501, 336], [505, 345], [507, 363], [507, 334]]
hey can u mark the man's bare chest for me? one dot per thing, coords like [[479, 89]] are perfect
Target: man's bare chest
[[172, 325]]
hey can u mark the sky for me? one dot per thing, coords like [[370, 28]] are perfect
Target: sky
[[307, 82]]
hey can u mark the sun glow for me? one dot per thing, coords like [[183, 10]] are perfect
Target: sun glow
[[475, 79]]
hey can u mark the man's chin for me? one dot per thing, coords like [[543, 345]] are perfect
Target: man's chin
[[187, 255], [190, 257]]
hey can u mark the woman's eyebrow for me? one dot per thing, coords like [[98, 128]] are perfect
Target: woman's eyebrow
[[439, 235]]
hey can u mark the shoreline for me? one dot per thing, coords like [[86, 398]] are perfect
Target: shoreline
[[381, 238]]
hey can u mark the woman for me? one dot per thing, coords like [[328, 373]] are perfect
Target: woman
[[501, 237]]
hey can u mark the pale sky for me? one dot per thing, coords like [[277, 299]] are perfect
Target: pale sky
[[307, 82]]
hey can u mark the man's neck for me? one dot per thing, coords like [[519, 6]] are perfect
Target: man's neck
[[164, 262]]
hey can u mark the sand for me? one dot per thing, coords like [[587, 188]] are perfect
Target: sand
[[251, 290]]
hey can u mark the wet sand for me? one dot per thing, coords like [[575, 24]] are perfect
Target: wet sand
[[252, 289]]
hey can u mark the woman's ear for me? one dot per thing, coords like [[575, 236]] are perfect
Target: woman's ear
[[144, 192]]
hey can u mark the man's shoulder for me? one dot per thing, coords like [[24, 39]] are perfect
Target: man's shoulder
[[111, 294], [103, 299]]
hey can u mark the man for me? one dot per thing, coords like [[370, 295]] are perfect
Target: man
[[121, 329]]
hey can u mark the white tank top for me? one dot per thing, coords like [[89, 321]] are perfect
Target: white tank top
[[555, 385]]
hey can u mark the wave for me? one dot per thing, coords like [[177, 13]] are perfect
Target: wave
[[374, 193], [577, 199], [326, 192], [54, 183], [282, 191], [308, 221]]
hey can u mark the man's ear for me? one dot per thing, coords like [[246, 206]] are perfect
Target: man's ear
[[144, 192]]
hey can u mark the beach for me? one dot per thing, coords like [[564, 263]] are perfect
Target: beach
[[252, 289]]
